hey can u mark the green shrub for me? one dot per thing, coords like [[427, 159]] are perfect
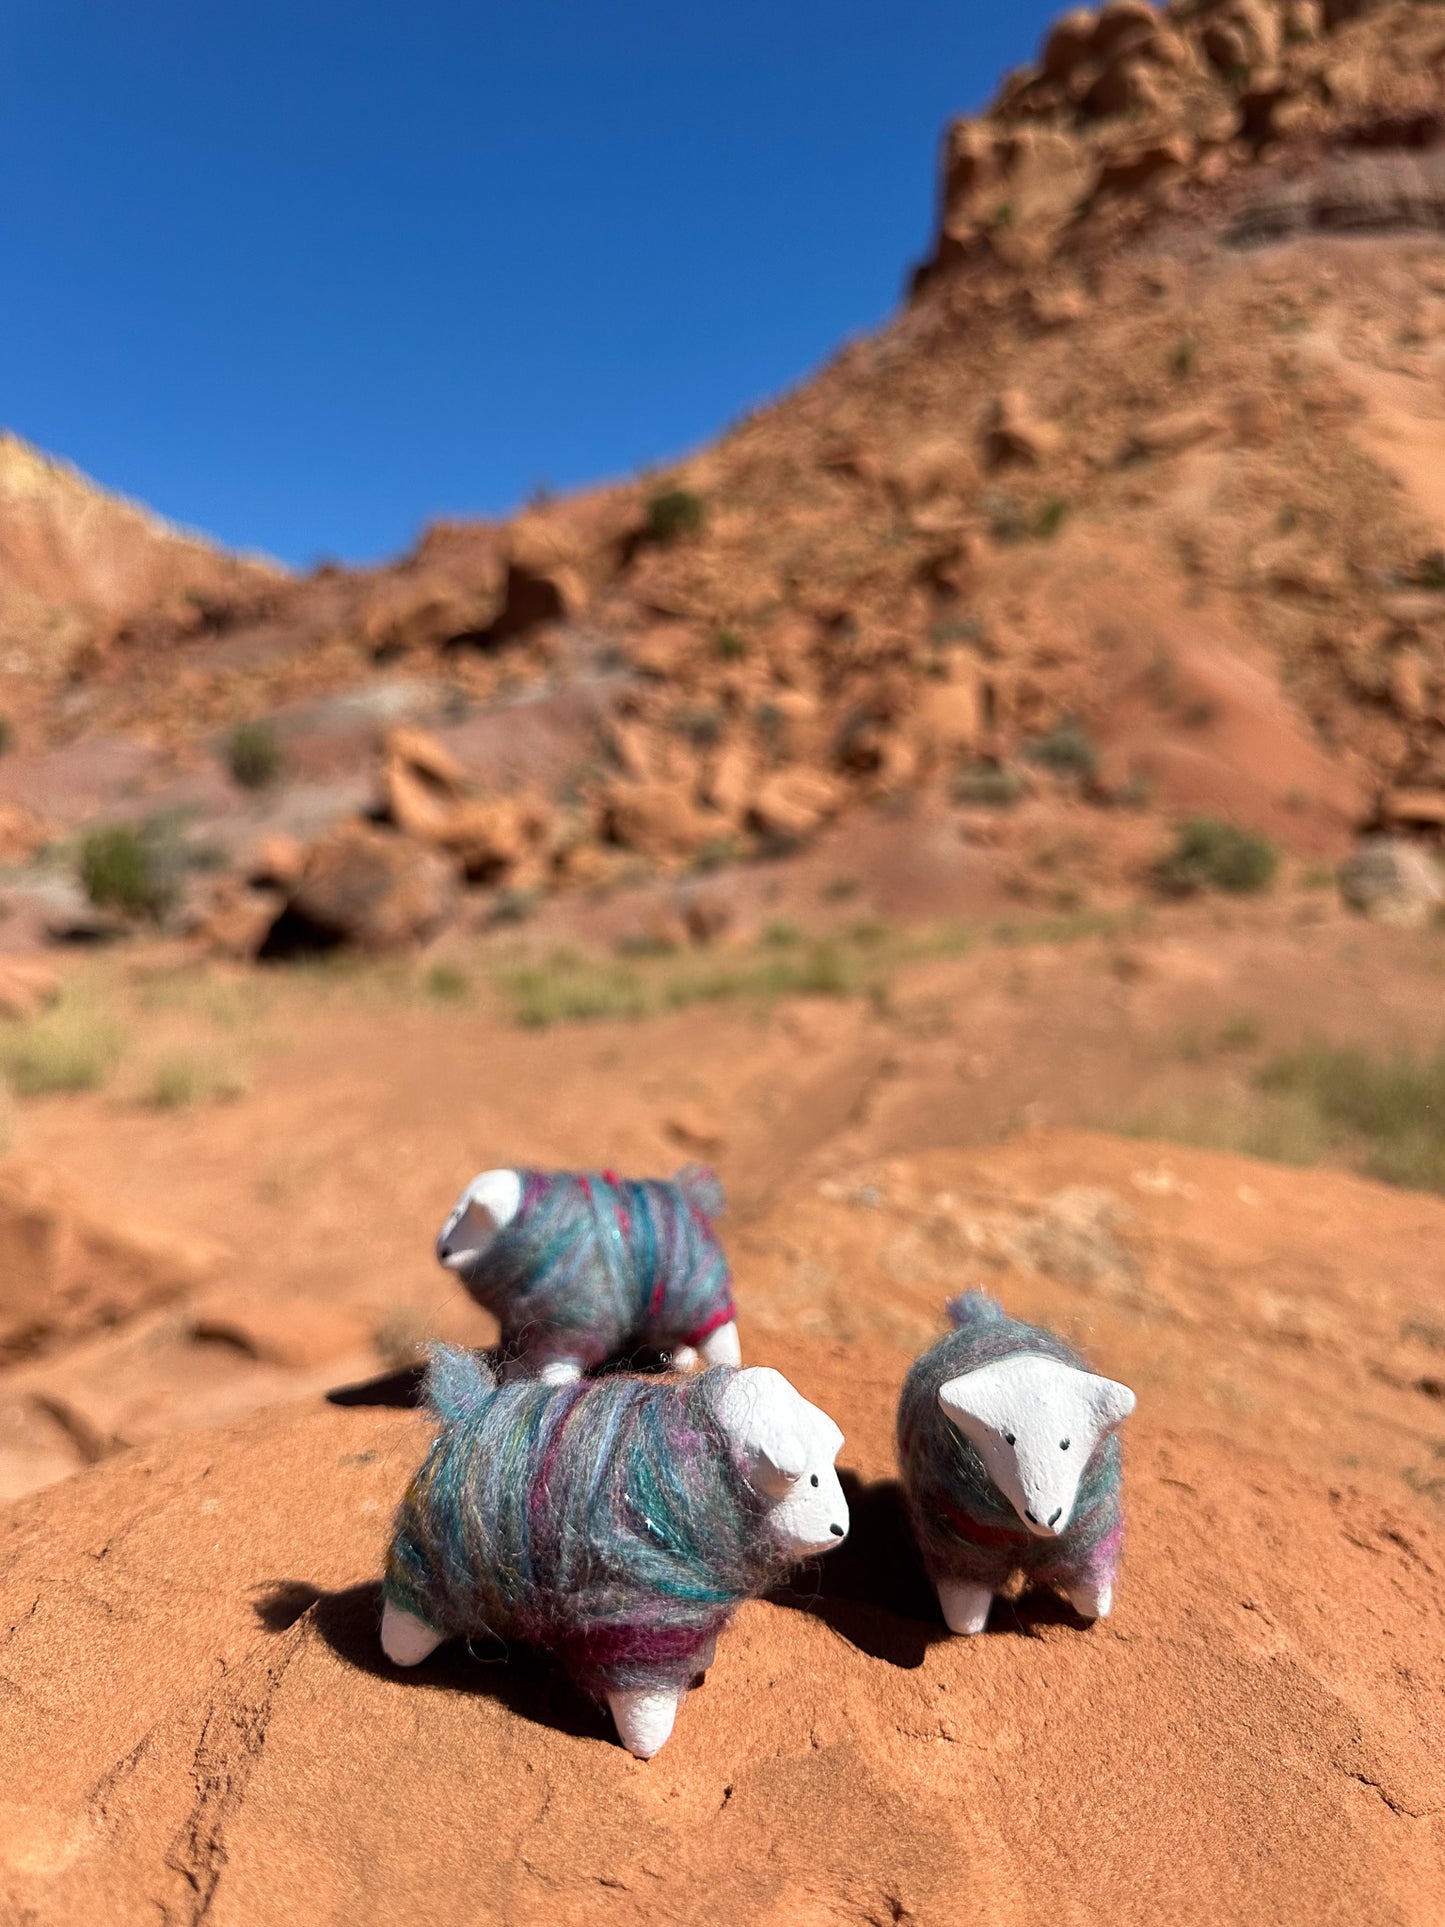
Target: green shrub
[[253, 754], [447, 983], [1052, 517], [1211, 855], [674, 512], [122, 868], [1394, 1104], [1066, 751], [70, 1048], [7, 734], [992, 784], [729, 646]]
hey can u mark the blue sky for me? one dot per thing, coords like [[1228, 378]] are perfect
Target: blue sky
[[306, 275]]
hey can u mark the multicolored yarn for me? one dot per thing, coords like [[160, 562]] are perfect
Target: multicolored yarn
[[608, 1522], [594, 1266], [965, 1527]]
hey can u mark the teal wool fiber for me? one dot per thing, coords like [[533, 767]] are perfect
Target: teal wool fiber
[[595, 1266], [608, 1522], [965, 1527]]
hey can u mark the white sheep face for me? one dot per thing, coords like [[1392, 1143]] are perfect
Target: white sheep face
[[789, 1450], [1035, 1423], [487, 1206]]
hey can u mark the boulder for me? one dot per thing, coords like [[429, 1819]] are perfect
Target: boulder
[[949, 717], [731, 780], [1420, 809], [70, 1265], [794, 723], [371, 889], [1014, 434], [1393, 881], [938, 465], [658, 820], [421, 753], [238, 918], [1167, 434], [277, 861], [499, 835], [795, 802]]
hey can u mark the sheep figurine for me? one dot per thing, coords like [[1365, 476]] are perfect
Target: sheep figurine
[[580, 1267], [615, 1522], [1010, 1461]]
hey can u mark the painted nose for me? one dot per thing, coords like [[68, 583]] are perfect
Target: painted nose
[[837, 1531], [1057, 1516]]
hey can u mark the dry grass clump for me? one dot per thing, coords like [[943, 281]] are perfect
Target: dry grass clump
[[73, 1046], [182, 1078]]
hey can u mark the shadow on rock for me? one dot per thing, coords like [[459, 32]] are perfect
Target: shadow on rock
[[402, 1390], [874, 1592], [523, 1681]]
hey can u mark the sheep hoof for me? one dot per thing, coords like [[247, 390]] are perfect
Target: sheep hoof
[[405, 1640], [1091, 1602], [683, 1358], [721, 1347], [644, 1719], [964, 1607], [560, 1371]]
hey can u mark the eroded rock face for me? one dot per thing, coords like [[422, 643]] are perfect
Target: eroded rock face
[[1131, 104]]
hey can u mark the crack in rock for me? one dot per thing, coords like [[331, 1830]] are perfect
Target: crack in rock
[[227, 1753]]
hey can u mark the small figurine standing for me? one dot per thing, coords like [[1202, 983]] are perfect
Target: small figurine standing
[[579, 1267], [1010, 1461], [617, 1523]]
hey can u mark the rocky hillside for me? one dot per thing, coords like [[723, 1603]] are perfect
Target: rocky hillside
[[75, 560], [1134, 514]]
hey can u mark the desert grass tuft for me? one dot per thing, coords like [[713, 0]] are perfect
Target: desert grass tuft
[[74, 1046], [182, 1078]]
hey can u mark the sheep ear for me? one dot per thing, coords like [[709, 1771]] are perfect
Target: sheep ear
[[759, 1408], [487, 1206], [1112, 1401], [968, 1400]]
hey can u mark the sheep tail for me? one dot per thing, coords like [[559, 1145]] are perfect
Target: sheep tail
[[975, 1308], [458, 1384], [702, 1187]]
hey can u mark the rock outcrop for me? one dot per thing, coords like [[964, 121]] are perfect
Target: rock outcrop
[[199, 1722]]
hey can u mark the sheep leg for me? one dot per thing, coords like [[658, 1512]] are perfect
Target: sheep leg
[[1090, 1598], [644, 1718], [405, 1639], [721, 1347], [965, 1607]]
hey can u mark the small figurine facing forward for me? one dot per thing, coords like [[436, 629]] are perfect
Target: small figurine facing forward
[[1010, 1461]]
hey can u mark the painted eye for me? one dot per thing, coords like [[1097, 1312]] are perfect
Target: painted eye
[[1009, 1439], [813, 1480], [1063, 1445]]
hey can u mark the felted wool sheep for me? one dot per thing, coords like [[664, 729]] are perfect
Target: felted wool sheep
[[1010, 1461], [580, 1267], [617, 1523]]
